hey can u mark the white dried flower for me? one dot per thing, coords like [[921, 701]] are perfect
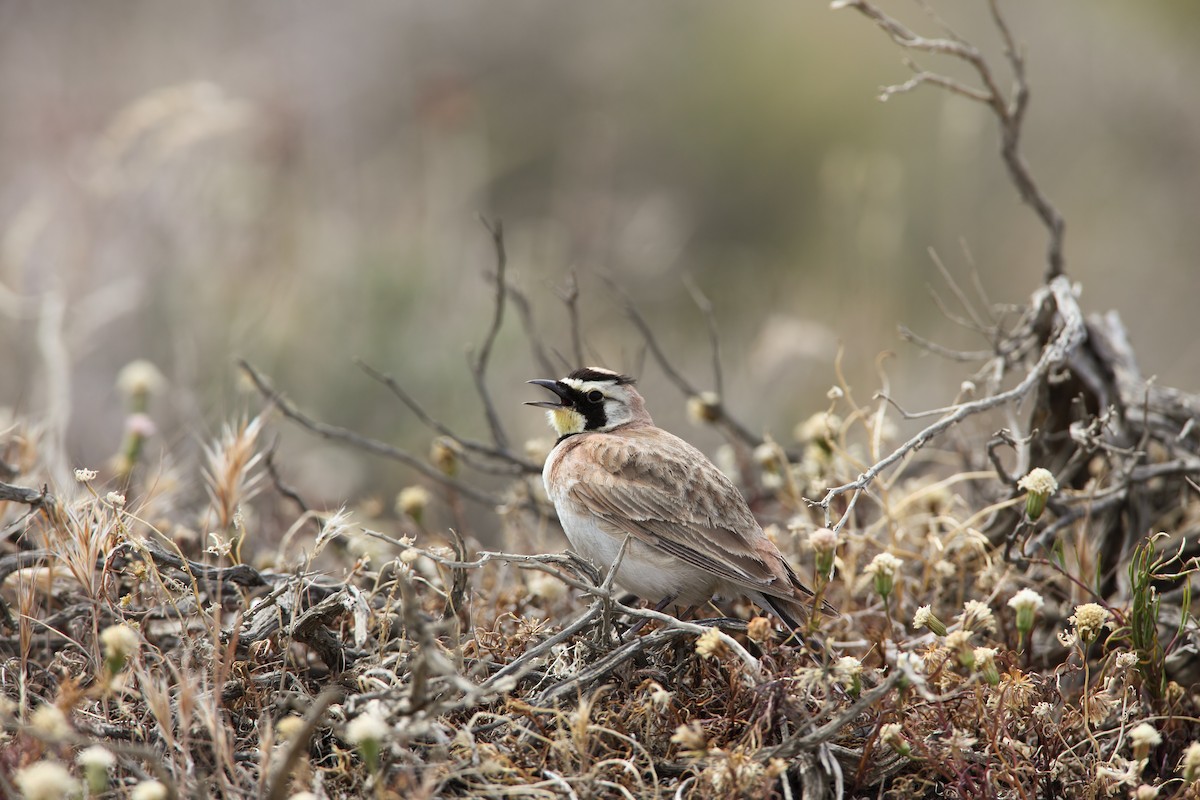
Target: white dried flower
[[544, 586], [412, 501], [115, 499], [1088, 620], [704, 408], [538, 450], [1039, 484], [85, 475], [709, 644], [1026, 603], [96, 756], [847, 671], [1143, 737], [985, 663], [821, 428], [1126, 661], [824, 543], [368, 726], [660, 698], [835, 393], [46, 780], [690, 738], [140, 378], [149, 790], [96, 761], [977, 616], [1144, 792], [1044, 711], [925, 618], [50, 723], [1191, 762], [883, 570], [368, 731], [1039, 480], [119, 643], [892, 734]]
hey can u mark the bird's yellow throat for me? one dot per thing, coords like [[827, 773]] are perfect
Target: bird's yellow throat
[[566, 421]]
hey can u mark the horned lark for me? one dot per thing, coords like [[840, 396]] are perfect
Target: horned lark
[[613, 474]]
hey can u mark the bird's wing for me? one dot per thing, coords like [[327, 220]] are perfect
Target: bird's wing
[[667, 494]]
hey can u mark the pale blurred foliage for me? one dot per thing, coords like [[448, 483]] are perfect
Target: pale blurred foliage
[[299, 184]]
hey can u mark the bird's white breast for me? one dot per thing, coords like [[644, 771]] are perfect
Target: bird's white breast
[[647, 572]]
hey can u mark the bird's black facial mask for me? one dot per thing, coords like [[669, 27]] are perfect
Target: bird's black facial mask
[[579, 408]]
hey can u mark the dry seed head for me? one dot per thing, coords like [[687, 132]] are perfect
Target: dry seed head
[[85, 475], [1144, 792], [544, 586], [115, 499]]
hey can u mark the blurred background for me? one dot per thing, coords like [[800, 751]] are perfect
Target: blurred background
[[300, 184]]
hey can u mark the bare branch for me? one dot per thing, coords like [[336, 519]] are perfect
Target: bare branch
[[1009, 112], [374, 446], [1070, 336], [497, 453], [480, 364]]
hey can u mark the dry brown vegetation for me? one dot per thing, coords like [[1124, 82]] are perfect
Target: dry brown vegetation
[[1012, 576]]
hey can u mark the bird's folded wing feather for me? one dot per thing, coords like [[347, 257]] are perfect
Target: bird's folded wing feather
[[681, 504]]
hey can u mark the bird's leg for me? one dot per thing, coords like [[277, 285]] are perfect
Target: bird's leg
[[641, 623]]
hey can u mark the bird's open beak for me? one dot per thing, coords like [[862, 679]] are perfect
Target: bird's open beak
[[555, 387]]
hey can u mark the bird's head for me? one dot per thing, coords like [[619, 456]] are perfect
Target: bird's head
[[592, 399]]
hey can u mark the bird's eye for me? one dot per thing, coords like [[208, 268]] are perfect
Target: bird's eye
[[595, 396]]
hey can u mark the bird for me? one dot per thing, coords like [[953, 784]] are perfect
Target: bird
[[613, 475]]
